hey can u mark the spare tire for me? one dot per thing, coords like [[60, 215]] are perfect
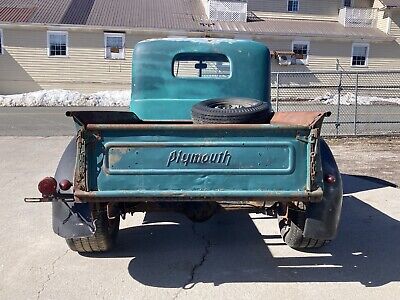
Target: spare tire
[[230, 111]]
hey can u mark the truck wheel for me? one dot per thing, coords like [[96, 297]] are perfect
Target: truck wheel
[[230, 111], [291, 224], [103, 238]]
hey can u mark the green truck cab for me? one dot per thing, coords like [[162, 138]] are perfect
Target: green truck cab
[[200, 138]]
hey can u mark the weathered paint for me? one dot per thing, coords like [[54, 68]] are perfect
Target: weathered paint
[[133, 159], [158, 95], [136, 161]]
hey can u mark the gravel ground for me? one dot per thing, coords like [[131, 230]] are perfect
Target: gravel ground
[[369, 156]]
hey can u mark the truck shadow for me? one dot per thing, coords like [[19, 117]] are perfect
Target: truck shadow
[[229, 248], [356, 183]]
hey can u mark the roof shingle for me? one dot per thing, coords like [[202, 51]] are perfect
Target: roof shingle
[[78, 12], [188, 15], [391, 3], [16, 14]]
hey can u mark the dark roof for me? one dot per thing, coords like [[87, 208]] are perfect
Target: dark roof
[[78, 12], [16, 14], [284, 27], [391, 3], [168, 14], [188, 15]]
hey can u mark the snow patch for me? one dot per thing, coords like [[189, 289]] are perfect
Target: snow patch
[[350, 99], [67, 98]]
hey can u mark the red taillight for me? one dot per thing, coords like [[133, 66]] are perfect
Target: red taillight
[[65, 184], [330, 179], [48, 186]]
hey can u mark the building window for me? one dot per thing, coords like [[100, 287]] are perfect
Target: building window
[[293, 5], [114, 44], [347, 3], [359, 55], [1, 42], [57, 43], [301, 51]]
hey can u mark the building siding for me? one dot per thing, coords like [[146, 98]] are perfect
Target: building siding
[[26, 67], [85, 69], [323, 56], [308, 9], [382, 21]]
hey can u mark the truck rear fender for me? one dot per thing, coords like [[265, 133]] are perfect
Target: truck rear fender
[[322, 219], [70, 219]]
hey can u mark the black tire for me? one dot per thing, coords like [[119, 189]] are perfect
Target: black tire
[[230, 111], [104, 238], [291, 226]]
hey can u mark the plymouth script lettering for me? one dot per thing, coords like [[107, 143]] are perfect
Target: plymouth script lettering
[[179, 157]]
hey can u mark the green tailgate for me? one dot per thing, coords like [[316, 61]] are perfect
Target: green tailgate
[[185, 162]]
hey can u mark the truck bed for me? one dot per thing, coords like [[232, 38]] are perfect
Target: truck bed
[[140, 161]]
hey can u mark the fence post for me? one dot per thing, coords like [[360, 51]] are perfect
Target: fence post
[[340, 88], [356, 107], [277, 92]]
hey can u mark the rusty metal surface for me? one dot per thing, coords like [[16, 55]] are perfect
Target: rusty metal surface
[[313, 157], [117, 181], [182, 127], [220, 206], [80, 178], [95, 196], [299, 118]]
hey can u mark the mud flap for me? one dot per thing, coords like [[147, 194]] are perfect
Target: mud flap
[[322, 219], [70, 220]]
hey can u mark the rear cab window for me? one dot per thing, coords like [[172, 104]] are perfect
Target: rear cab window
[[201, 65]]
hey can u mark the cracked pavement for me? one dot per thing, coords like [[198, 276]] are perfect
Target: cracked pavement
[[51, 273], [207, 245], [166, 256]]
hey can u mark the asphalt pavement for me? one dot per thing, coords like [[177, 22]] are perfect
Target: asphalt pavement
[[41, 121], [166, 256], [51, 121]]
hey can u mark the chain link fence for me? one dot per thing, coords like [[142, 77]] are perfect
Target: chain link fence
[[362, 103]]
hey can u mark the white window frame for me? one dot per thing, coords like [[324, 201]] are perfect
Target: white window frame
[[302, 61], [114, 34], [66, 43], [293, 11], [1, 42], [352, 53]]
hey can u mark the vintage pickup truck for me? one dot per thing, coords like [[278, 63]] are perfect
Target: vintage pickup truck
[[200, 138]]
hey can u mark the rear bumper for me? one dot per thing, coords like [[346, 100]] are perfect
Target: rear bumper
[[214, 196]]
